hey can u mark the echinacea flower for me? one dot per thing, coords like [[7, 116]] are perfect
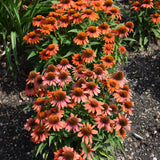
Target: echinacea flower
[[38, 20], [88, 55], [78, 95], [31, 77], [79, 83], [91, 88], [103, 121], [93, 106], [89, 152], [52, 49], [79, 5], [155, 17], [130, 26], [65, 4], [115, 13], [51, 68], [109, 38], [127, 106], [54, 121], [64, 64], [88, 74], [52, 21], [77, 18], [39, 134], [108, 5], [158, 5], [43, 55], [30, 89], [30, 124], [104, 28], [122, 132], [122, 49], [81, 39], [123, 31], [41, 117], [86, 132], [136, 6], [38, 82], [58, 154], [126, 88], [90, 14], [106, 109], [77, 59], [100, 73], [64, 21], [108, 48], [38, 103], [60, 99], [32, 38], [97, 5], [50, 79], [114, 108], [73, 123], [112, 85], [122, 121], [93, 32], [108, 60], [46, 29], [147, 4]]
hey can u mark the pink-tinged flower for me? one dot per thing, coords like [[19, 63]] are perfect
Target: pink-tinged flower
[[88, 74], [100, 71], [122, 49], [86, 132], [147, 4], [68, 154], [93, 32], [60, 99], [126, 88], [55, 111], [39, 134], [89, 151], [121, 96], [64, 64], [51, 68], [54, 121], [30, 89], [122, 133], [64, 78], [108, 48], [31, 77], [88, 55], [114, 108], [79, 71], [79, 83], [41, 117], [93, 106], [78, 95], [130, 26], [104, 121], [122, 121], [115, 12], [119, 77], [30, 124], [72, 123], [106, 109], [108, 5], [50, 79], [91, 88], [38, 104], [127, 106], [123, 31], [52, 49], [81, 39], [38, 82]]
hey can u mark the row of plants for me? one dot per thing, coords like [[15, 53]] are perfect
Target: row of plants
[[81, 101]]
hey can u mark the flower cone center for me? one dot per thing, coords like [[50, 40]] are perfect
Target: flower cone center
[[50, 76], [78, 92], [91, 85], [82, 36], [68, 155], [60, 95]]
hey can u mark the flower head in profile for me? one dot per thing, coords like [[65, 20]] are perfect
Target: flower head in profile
[[38, 103], [115, 12], [30, 124], [130, 26], [52, 49], [147, 4], [127, 106], [88, 55], [38, 81], [123, 31], [104, 28], [86, 132], [114, 108], [108, 60], [64, 64], [73, 123], [93, 106], [89, 152], [93, 32], [90, 14], [38, 20], [122, 133], [108, 5], [32, 38], [136, 6], [32, 76], [81, 39], [106, 109], [30, 89]]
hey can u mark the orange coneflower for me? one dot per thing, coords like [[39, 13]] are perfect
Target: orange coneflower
[[112, 85], [93, 32], [100, 65], [38, 20], [108, 60], [123, 31], [158, 5], [147, 4], [122, 133], [122, 121], [39, 134], [54, 121], [130, 26], [86, 133], [50, 79], [115, 13], [109, 38], [52, 49], [55, 110], [78, 95], [43, 55], [30, 124], [76, 59], [79, 72], [106, 109], [104, 28], [90, 14], [114, 108], [81, 39], [155, 17], [88, 55], [77, 18], [60, 99], [119, 77], [41, 117], [52, 14], [88, 74], [31, 77], [65, 4], [97, 5], [108, 48], [60, 11], [46, 29], [93, 106], [64, 64], [126, 88], [64, 78], [72, 123], [52, 21], [64, 21], [89, 152], [91, 88], [38, 103], [79, 83], [103, 121], [80, 5], [70, 13], [32, 38], [136, 6], [100, 73], [58, 153], [51, 68], [108, 5], [127, 106], [122, 49]]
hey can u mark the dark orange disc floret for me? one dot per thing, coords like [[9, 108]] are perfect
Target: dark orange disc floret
[[91, 85], [104, 119], [122, 29], [88, 12], [123, 121], [64, 19], [108, 3], [118, 75], [98, 70], [73, 121], [50, 76], [51, 47], [40, 101], [81, 81], [60, 95], [53, 119], [69, 155], [51, 68], [32, 75], [94, 103], [78, 92], [105, 106], [63, 75], [51, 20], [128, 104], [114, 108], [86, 131], [104, 26], [123, 93], [88, 53], [109, 58], [82, 36], [65, 1], [130, 24], [64, 62], [92, 29]]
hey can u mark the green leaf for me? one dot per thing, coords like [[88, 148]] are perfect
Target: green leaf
[[107, 154], [74, 31], [68, 54], [156, 33], [32, 54], [145, 40], [51, 137], [40, 148], [27, 107], [129, 39], [84, 147]]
